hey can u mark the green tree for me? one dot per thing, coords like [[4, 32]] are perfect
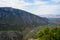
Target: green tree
[[49, 34]]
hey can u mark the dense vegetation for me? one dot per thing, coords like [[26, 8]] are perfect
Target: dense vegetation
[[49, 34]]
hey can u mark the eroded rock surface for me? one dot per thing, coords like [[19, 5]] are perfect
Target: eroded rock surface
[[11, 36]]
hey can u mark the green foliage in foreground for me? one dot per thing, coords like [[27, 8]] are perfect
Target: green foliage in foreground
[[49, 34]]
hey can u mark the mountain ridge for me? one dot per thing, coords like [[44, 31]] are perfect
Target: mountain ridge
[[18, 18]]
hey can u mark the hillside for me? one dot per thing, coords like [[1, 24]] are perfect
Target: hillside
[[54, 21], [16, 19]]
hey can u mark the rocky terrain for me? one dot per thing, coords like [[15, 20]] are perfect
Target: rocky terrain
[[10, 35]]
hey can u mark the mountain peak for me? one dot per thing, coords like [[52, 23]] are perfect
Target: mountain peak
[[18, 19]]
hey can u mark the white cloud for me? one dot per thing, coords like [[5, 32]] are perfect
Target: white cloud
[[47, 9], [56, 1], [40, 2], [43, 7], [13, 3], [19, 3]]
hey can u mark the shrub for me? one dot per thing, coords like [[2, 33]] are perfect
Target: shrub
[[49, 34]]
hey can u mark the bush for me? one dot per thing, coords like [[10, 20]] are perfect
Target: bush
[[49, 34]]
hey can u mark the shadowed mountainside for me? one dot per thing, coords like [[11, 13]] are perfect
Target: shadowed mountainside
[[15, 19]]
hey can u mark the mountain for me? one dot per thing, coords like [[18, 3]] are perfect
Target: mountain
[[51, 15], [54, 21], [16, 19]]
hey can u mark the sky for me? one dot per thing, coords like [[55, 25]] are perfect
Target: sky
[[38, 7]]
